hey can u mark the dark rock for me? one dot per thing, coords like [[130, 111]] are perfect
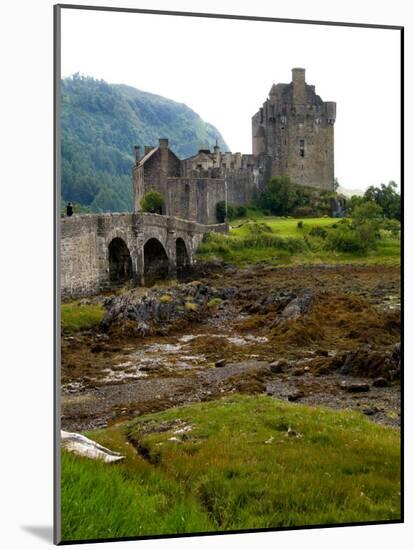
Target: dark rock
[[396, 354], [366, 362], [278, 367], [370, 411], [228, 293], [299, 306], [394, 375], [159, 307], [220, 363], [298, 372], [296, 396], [380, 383], [97, 348], [356, 387]]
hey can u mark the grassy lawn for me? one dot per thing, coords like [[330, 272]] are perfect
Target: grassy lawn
[[284, 243], [285, 227], [241, 462], [80, 317]]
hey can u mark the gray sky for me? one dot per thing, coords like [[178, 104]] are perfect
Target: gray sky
[[223, 70]]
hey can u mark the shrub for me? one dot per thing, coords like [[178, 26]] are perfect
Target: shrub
[[387, 198], [300, 225], [345, 239], [153, 202], [233, 211], [258, 228], [241, 211], [367, 211], [393, 226], [318, 231], [279, 196]]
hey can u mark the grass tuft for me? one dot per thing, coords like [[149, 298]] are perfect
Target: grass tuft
[[75, 316]]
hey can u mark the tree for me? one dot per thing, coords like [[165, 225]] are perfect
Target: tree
[[387, 198], [352, 203], [153, 202], [336, 185], [366, 220], [279, 196]]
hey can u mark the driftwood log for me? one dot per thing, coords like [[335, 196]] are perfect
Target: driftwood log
[[82, 446]]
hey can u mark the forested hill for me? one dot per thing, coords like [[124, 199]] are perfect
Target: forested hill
[[101, 123]]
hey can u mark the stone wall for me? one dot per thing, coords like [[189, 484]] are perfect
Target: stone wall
[[194, 198], [79, 256]]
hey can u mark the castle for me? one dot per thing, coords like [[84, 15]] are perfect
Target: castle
[[292, 134]]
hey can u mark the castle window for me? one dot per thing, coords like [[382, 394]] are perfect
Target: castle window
[[302, 147]]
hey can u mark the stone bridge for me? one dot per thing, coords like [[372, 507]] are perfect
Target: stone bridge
[[100, 251]]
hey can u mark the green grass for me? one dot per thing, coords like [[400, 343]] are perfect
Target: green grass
[[237, 468], [285, 227], [281, 242], [76, 317]]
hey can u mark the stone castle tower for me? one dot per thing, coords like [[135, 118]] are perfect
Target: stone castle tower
[[294, 130], [293, 135]]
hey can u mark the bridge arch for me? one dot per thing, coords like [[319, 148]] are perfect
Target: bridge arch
[[156, 262], [120, 261]]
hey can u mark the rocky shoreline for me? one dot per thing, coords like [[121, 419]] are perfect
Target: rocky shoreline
[[315, 335]]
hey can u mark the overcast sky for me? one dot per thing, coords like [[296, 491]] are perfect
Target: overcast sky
[[223, 70]]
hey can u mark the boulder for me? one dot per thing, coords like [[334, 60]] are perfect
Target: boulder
[[367, 363], [279, 366], [299, 306], [380, 383], [355, 387]]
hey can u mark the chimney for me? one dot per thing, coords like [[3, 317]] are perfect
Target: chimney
[[299, 91], [163, 146], [137, 154], [217, 154]]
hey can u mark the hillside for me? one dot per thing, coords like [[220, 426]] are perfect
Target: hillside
[[101, 123]]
